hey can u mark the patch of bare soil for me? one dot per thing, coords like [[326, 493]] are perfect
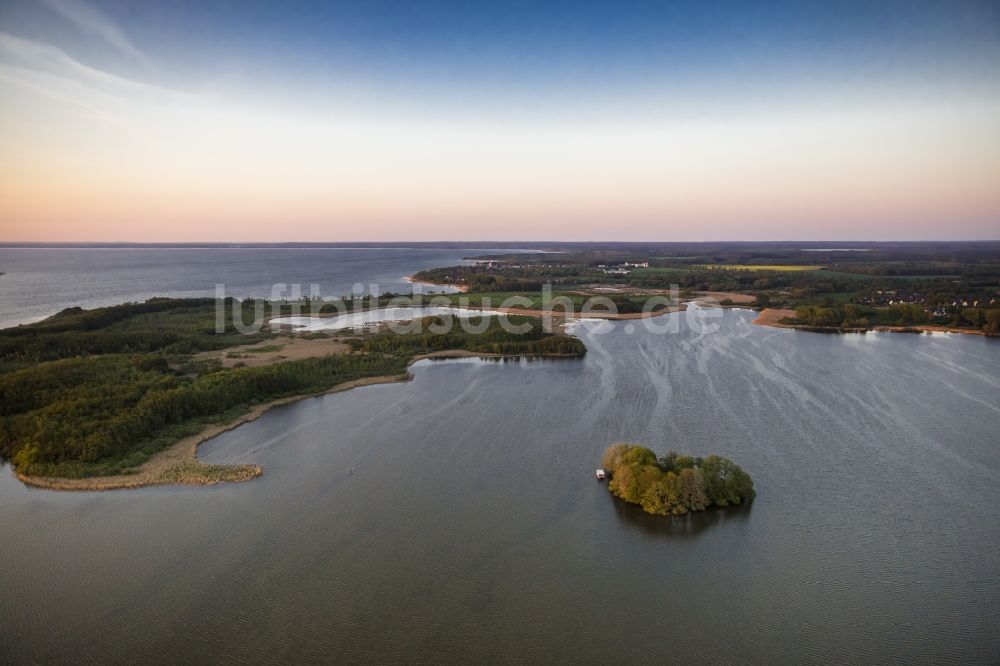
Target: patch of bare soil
[[773, 317], [277, 350]]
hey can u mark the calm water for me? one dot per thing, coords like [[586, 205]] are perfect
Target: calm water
[[39, 282], [472, 528]]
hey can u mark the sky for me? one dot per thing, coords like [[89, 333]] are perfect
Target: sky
[[396, 121]]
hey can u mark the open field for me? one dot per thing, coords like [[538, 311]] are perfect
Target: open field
[[287, 348], [733, 297]]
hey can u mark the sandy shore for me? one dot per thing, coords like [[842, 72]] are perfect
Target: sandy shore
[[458, 287], [773, 317]]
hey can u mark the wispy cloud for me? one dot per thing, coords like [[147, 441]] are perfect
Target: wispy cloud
[[47, 58], [91, 20], [55, 89]]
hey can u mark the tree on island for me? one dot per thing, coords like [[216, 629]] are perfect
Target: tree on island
[[674, 484]]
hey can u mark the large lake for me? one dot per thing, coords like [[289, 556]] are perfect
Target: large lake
[[40, 281], [471, 528]]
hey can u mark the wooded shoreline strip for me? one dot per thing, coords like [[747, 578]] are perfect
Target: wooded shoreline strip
[[773, 317]]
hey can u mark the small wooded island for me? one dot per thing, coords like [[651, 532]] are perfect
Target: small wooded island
[[674, 484]]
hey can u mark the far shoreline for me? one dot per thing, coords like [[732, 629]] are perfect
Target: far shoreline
[[772, 317]]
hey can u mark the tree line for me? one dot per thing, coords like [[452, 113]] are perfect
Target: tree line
[[850, 315], [675, 484]]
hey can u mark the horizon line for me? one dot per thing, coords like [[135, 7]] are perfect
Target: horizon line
[[493, 242]]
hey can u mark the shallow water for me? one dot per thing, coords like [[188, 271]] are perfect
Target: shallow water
[[472, 529]]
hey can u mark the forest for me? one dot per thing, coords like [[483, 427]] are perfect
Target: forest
[[674, 484], [96, 392], [168, 325]]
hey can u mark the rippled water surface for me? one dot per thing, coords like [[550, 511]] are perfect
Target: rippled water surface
[[472, 529]]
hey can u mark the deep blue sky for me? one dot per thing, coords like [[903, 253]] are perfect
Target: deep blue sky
[[531, 47]]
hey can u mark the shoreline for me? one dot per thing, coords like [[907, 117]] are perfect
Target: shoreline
[[178, 464], [772, 317], [460, 288]]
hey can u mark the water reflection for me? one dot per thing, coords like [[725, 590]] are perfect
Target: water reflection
[[687, 526]]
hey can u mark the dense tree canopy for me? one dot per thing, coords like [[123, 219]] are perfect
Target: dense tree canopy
[[674, 484], [172, 325]]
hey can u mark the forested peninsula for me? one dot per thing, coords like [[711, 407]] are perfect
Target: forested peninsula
[[674, 484], [121, 396]]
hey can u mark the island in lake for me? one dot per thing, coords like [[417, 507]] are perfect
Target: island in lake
[[674, 484]]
